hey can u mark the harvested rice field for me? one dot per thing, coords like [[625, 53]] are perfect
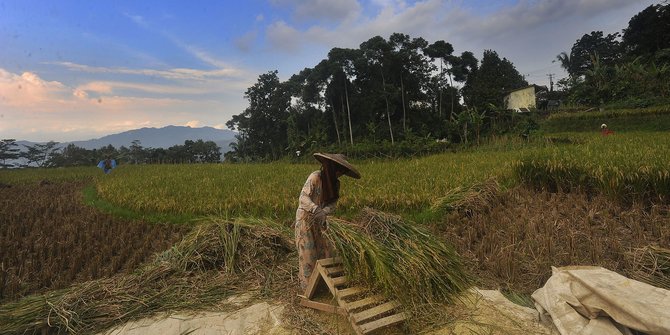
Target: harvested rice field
[[82, 253], [49, 239]]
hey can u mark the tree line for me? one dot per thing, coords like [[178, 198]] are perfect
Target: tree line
[[404, 89], [51, 155], [629, 69], [387, 90]]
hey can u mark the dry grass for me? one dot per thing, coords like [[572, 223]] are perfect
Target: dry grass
[[651, 264], [49, 240], [513, 242], [192, 275]]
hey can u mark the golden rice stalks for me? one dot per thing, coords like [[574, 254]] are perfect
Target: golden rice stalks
[[398, 258], [479, 196]]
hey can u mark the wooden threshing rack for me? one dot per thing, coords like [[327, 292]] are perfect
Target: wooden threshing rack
[[365, 312]]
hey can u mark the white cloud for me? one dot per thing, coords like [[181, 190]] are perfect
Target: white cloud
[[37, 109], [246, 41], [329, 10], [283, 37], [193, 124], [530, 33], [175, 73]]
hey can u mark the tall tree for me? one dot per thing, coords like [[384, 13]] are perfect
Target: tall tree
[[263, 124], [40, 154], [493, 79], [410, 67], [648, 32], [443, 51], [377, 52], [606, 48], [9, 150]]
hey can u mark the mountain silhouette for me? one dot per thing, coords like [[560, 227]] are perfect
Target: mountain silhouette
[[157, 138]]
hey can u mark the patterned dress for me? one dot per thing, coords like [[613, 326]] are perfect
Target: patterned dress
[[310, 242]]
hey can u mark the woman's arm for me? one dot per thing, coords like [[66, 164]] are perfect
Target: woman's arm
[[306, 202]]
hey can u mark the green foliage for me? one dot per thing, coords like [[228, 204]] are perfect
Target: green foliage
[[8, 150], [618, 120], [40, 154], [590, 46], [491, 81], [263, 125], [648, 32], [631, 73]]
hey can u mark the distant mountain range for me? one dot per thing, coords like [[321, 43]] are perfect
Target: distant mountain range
[[156, 138]]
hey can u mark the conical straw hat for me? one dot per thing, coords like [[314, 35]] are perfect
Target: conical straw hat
[[341, 160]]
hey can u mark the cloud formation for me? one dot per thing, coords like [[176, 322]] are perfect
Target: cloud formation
[[309, 10], [38, 109], [176, 73]]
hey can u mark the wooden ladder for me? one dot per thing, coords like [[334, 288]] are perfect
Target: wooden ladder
[[365, 312]]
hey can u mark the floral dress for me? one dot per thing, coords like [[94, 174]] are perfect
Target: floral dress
[[310, 242]]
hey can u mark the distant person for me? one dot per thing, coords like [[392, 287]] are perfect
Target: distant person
[[107, 165], [318, 198], [604, 130]]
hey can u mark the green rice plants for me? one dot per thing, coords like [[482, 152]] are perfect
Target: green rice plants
[[398, 258]]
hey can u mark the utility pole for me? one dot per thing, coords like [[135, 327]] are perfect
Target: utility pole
[[551, 81]]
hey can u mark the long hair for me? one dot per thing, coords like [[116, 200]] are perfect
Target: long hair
[[330, 186]]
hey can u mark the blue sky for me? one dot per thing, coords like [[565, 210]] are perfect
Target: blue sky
[[75, 70]]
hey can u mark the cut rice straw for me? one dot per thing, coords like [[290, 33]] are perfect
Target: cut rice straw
[[398, 258], [217, 259]]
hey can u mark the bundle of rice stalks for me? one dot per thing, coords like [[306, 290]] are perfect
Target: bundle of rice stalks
[[233, 247], [479, 196], [207, 266], [398, 258], [651, 265]]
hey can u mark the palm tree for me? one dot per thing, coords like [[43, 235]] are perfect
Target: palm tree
[[565, 61]]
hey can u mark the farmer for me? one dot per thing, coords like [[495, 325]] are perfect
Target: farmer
[[317, 199], [107, 165], [604, 130]]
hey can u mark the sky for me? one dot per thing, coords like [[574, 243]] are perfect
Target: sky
[[77, 70]]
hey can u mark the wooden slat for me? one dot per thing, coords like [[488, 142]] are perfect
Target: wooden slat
[[324, 276], [336, 270], [312, 283], [323, 306], [384, 322], [365, 302], [349, 291], [374, 311], [330, 261], [340, 280]]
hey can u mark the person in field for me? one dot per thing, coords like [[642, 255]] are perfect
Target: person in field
[[318, 198], [107, 165], [605, 131]]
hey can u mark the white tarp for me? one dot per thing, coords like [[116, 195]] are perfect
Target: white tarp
[[591, 300]]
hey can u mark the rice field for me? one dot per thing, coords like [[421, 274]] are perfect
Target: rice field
[[509, 241], [626, 167], [273, 189]]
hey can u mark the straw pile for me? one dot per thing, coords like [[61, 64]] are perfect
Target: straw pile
[[211, 263], [383, 252], [467, 199], [652, 265]]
